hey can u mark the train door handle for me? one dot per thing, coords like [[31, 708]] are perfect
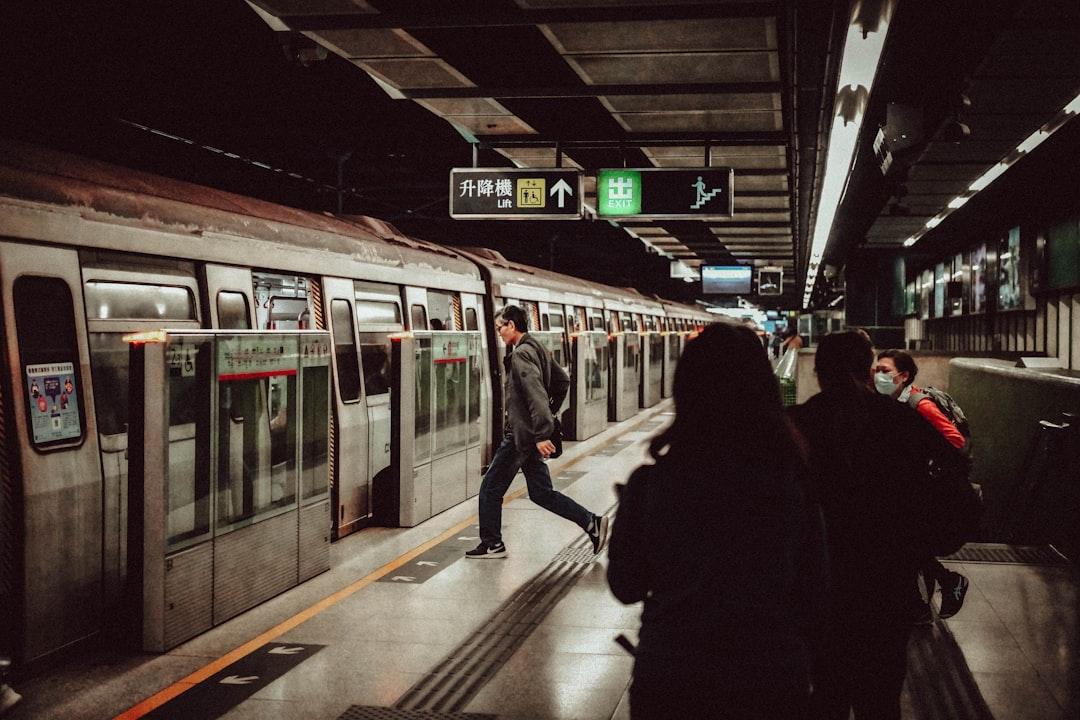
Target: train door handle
[[386, 448]]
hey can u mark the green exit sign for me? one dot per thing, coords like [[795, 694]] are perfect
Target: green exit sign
[[618, 192], [702, 193]]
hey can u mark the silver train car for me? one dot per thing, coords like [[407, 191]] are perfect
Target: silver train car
[[90, 252]]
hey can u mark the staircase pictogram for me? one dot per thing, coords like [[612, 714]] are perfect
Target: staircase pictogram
[[702, 199]]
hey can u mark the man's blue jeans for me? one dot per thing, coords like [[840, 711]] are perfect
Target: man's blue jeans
[[504, 466]]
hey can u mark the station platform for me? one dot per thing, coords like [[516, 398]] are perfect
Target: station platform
[[403, 626]]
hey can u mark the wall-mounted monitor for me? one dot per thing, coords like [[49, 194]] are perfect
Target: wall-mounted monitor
[[726, 279]]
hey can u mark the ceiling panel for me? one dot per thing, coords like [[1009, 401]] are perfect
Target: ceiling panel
[[700, 121], [415, 73], [371, 43], [664, 35], [638, 69], [316, 7]]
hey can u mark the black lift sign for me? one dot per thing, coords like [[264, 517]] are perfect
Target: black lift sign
[[509, 194]]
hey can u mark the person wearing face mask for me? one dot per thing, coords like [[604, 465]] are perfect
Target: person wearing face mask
[[894, 376]]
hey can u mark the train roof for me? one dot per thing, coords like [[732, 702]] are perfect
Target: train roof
[[94, 191], [517, 280]]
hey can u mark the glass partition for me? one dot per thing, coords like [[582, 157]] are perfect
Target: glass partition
[[257, 405], [475, 358], [630, 361], [596, 359], [422, 438], [187, 491], [450, 362]]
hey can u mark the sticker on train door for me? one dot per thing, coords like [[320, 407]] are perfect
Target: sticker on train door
[[54, 406]]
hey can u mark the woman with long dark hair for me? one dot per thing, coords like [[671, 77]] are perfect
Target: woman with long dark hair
[[720, 541]]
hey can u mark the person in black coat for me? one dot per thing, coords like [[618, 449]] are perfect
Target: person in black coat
[[892, 491], [719, 541]]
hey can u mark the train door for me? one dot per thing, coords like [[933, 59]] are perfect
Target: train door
[[378, 316], [228, 300], [51, 493], [125, 295], [351, 494]]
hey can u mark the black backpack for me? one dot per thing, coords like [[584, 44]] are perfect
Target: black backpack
[[948, 407]]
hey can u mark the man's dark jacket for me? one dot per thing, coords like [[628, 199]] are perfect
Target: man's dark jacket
[[526, 377]]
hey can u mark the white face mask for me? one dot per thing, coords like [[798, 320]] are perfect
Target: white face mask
[[883, 383]]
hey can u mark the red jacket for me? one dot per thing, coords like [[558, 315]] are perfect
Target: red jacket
[[933, 415]]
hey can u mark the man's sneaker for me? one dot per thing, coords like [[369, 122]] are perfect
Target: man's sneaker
[[484, 551], [598, 532], [953, 591]]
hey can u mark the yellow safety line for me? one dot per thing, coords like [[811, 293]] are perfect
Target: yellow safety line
[[184, 684]]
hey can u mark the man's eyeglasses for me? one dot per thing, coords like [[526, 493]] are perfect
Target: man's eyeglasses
[[500, 325]]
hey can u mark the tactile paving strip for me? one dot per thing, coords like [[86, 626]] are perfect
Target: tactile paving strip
[[1009, 554], [613, 449], [457, 679], [363, 712]]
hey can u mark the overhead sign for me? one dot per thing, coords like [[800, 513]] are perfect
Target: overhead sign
[[703, 193], [515, 194]]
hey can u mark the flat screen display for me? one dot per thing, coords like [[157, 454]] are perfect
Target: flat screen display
[[726, 279]]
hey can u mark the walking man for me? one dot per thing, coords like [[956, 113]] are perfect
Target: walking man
[[528, 427]]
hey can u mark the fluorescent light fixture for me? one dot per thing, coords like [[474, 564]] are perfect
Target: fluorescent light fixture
[[858, 67], [998, 169]]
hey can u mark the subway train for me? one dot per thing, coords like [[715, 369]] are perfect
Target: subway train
[[90, 253]]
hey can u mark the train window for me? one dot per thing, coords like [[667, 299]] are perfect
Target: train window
[[345, 351], [373, 312], [596, 322], [49, 353], [556, 322], [232, 311], [419, 318], [441, 310], [375, 359], [134, 301], [471, 322], [545, 322]]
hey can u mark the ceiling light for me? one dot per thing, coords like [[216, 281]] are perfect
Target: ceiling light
[[958, 201], [910, 241], [933, 222], [862, 52]]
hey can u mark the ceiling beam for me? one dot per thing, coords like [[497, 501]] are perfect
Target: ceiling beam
[[669, 139], [509, 16], [734, 88]]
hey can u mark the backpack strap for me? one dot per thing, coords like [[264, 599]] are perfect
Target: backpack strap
[[915, 398]]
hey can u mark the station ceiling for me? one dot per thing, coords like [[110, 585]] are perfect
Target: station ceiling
[[366, 105]]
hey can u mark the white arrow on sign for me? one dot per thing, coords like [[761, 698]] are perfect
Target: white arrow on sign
[[426, 562], [563, 188], [237, 680], [286, 650], [402, 578]]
